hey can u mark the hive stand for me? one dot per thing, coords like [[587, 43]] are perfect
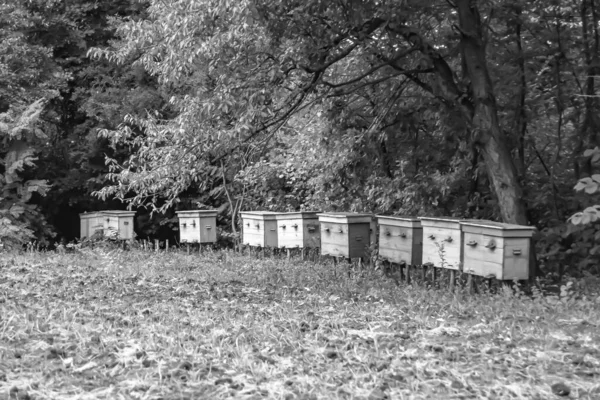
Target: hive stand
[[197, 226], [298, 230], [400, 242], [442, 245], [496, 250], [259, 229], [345, 235]]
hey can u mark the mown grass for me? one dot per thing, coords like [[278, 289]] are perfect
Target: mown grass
[[112, 324]]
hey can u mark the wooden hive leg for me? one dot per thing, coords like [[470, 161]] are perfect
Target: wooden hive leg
[[452, 279], [402, 271], [407, 274], [434, 271], [387, 267], [424, 272], [334, 265], [470, 284]]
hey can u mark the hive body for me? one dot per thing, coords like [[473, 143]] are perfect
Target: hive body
[[298, 230], [345, 234], [496, 249], [400, 239], [197, 226], [111, 223], [442, 242], [90, 223], [259, 228]]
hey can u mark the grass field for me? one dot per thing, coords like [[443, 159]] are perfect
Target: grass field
[[110, 324]]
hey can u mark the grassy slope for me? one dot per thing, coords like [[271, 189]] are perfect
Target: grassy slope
[[109, 324]]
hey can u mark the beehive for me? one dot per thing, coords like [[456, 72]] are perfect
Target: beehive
[[197, 226], [345, 234], [496, 249], [442, 242], [90, 223], [298, 229], [400, 239], [118, 224], [259, 228]]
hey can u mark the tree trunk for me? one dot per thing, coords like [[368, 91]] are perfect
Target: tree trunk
[[520, 124], [591, 122], [486, 127]]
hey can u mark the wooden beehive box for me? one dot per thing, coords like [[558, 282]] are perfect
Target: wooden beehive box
[[496, 249], [197, 226], [90, 223], [345, 234], [259, 228], [442, 242], [400, 239], [118, 224], [298, 229]]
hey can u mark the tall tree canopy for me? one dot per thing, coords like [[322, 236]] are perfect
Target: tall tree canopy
[[240, 71]]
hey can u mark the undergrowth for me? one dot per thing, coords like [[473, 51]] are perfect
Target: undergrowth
[[105, 323]]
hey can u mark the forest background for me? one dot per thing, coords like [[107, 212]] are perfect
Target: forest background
[[475, 109]]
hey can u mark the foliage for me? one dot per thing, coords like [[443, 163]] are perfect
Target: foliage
[[18, 217], [29, 79], [590, 185], [44, 49]]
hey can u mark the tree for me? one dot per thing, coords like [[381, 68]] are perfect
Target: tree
[[29, 79], [262, 62]]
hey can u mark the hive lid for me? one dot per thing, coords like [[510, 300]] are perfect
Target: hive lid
[[264, 215], [444, 219], [400, 220], [402, 217], [118, 213], [297, 214], [91, 214], [345, 217], [197, 213], [497, 228]]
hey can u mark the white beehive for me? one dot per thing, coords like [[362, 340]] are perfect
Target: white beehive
[[90, 223], [442, 242], [400, 239], [298, 230], [259, 228], [113, 224], [496, 249], [345, 234], [118, 224], [197, 226]]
